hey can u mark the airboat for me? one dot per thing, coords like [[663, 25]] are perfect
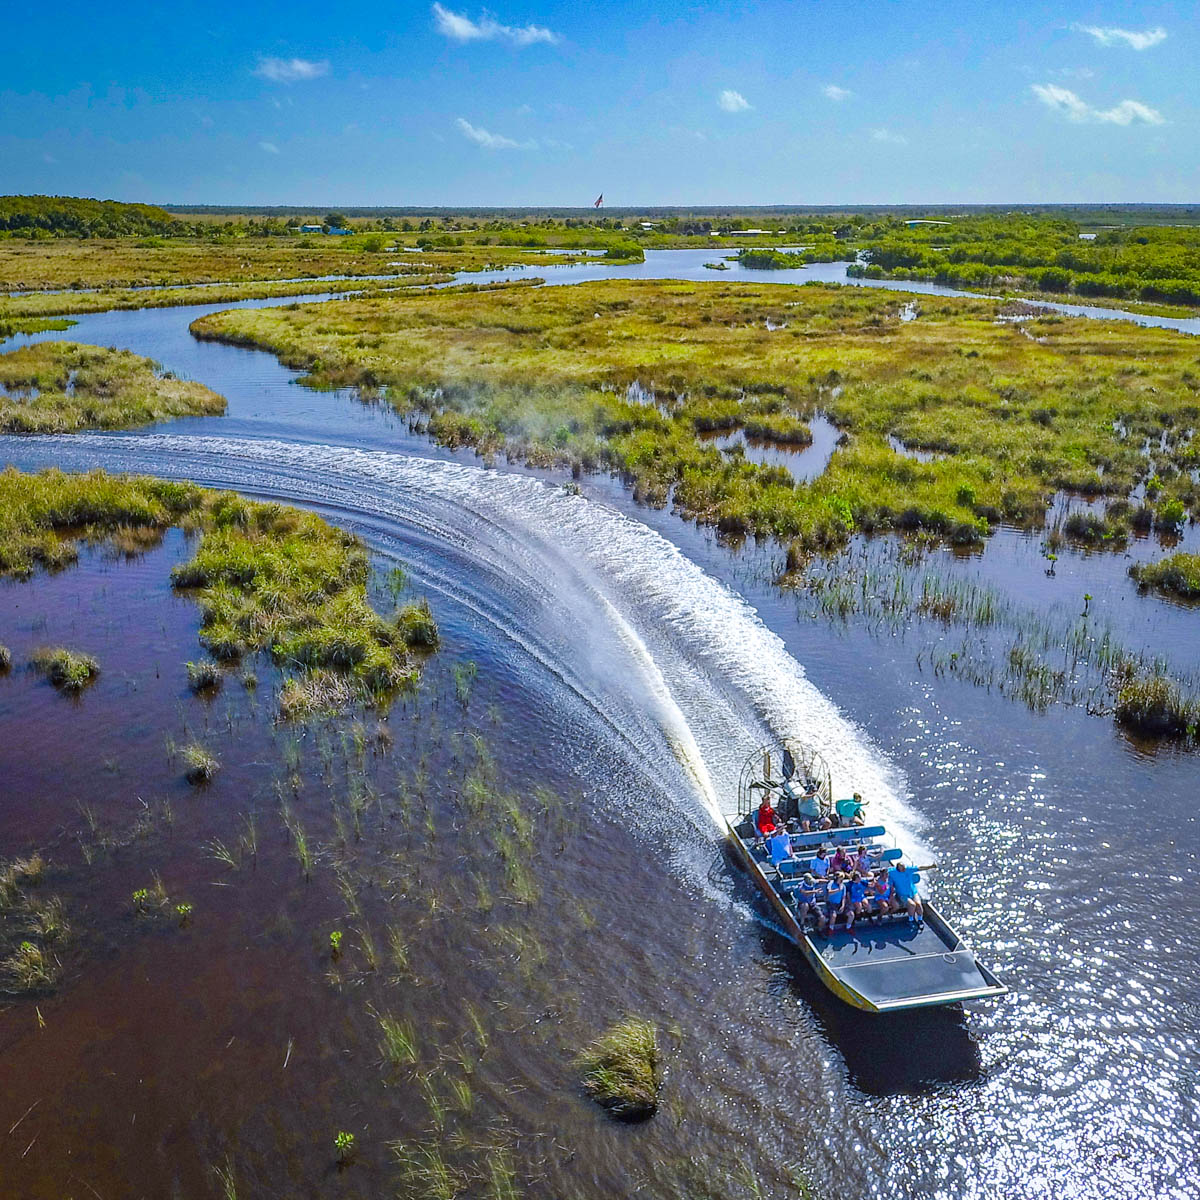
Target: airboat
[[877, 967]]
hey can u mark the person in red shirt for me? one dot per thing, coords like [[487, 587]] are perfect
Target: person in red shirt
[[766, 820]]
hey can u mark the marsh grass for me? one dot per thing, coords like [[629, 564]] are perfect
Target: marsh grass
[[398, 1041], [426, 1172], [59, 387], [622, 1070], [1153, 705], [200, 764], [5, 659], [204, 676], [266, 577], [68, 670], [1176, 575], [29, 969], [1013, 418]]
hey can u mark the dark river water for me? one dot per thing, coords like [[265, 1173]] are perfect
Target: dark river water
[[635, 661]]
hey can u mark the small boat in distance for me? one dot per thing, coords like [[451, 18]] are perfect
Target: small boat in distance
[[878, 967]]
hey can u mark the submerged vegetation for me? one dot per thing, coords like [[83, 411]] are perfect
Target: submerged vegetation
[[630, 375], [58, 387], [267, 577], [31, 927], [622, 1070]]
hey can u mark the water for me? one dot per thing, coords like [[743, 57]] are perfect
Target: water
[[641, 658]]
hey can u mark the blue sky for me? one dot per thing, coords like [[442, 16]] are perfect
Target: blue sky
[[543, 102]]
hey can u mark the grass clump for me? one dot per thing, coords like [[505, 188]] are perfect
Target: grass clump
[[203, 676], [200, 765], [60, 387], [1177, 574], [1154, 705], [30, 926], [622, 1071], [68, 670], [5, 659], [29, 969]]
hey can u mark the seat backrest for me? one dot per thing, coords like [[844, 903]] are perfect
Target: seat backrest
[[836, 837]]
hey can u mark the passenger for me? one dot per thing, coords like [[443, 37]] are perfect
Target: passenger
[[904, 884], [880, 895], [850, 812], [807, 895], [766, 820], [841, 861], [856, 903], [835, 902], [819, 863], [779, 847], [865, 860]]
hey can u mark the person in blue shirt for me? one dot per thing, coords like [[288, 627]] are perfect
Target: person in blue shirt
[[819, 863], [856, 900], [806, 900], [779, 846], [904, 883], [835, 902]]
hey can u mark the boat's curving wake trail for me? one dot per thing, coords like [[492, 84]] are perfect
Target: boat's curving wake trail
[[671, 660]]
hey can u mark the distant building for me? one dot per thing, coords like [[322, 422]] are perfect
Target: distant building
[[336, 232], [311, 229], [748, 232]]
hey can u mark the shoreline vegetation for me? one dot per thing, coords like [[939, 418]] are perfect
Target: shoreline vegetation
[[63, 387], [267, 578]]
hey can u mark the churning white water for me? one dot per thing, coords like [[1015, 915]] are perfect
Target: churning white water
[[612, 602]]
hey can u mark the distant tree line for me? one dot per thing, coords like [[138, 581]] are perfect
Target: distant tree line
[[1155, 263], [67, 216]]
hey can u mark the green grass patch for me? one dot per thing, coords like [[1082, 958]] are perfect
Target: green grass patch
[[1177, 575], [622, 1070], [68, 670], [1153, 705], [59, 387]]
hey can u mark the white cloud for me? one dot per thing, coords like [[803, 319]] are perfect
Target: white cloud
[[460, 28], [290, 70], [268, 147], [1063, 100], [833, 92], [1108, 36], [733, 102], [1072, 73], [886, 135], [490, 141]]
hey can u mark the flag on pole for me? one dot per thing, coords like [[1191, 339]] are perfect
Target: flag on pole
[[599, 200]]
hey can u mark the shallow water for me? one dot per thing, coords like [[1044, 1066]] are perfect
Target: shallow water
[[635, 660]]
